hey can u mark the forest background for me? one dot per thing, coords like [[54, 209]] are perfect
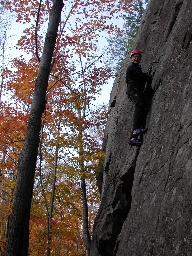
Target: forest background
[[65, 190]]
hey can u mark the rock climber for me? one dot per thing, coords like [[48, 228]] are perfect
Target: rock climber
[[136, 81]]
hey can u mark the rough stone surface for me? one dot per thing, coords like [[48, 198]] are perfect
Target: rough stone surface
[[146, 206]]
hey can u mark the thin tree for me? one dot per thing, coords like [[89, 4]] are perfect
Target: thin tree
[[18, 225]]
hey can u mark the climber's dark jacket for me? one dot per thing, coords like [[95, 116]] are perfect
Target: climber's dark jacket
[[135, 78]]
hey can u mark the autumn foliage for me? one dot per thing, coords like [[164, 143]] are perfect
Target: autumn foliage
[[72, 122]]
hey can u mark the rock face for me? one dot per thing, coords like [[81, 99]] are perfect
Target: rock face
[[146, 206]]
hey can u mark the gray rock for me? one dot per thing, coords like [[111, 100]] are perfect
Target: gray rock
[[146, 206]]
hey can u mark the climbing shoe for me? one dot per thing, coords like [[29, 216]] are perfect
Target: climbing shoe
[[134, 142], [138, 132]]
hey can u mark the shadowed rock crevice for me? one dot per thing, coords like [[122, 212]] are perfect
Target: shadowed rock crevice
[[187, 39], [127, 184], [117, 214], [112, 104], [174, 17]]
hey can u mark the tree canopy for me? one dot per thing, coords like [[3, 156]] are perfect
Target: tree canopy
[[122, 42]]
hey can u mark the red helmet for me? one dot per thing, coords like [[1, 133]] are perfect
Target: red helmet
[[135, 51]]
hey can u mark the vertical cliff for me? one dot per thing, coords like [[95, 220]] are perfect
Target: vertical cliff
[[146, 206]]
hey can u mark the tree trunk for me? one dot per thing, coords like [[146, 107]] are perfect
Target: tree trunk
[[85, 217], [86, 234], [49, 238], [18, 235]]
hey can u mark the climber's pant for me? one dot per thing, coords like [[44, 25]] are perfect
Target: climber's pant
[[139, 118]]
